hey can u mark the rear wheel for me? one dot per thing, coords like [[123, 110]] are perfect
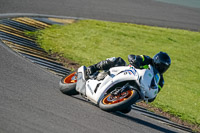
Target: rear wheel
[[119, 102], [68, 84]]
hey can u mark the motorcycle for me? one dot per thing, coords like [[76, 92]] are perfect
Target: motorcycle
[[113, 90]]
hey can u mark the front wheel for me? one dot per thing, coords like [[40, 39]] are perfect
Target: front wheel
[[119, 102], [68, 84]]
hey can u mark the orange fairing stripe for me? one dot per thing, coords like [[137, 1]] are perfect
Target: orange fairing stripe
[[118, 99], [72, 78]]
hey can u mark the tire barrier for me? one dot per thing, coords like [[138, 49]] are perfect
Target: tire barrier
[[12, 34]]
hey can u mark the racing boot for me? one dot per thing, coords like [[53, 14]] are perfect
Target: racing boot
[[127, 110], [91, 69], [102, 65], [106, 64]]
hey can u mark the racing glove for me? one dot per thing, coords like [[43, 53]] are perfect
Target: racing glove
[[135, 60]]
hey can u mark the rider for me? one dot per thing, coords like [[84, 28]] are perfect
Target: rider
[[161, 62]]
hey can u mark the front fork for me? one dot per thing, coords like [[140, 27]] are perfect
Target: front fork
[[118, 92]]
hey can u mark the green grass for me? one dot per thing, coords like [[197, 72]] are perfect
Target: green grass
[[88, 41]]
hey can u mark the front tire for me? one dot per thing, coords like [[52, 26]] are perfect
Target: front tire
[[119, 103], [67, 84]]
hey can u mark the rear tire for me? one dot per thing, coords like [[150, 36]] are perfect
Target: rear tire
[[110, 106], [67, 85]]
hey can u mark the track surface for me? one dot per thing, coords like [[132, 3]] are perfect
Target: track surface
[[29, 97], [147, 12], [31, 102]]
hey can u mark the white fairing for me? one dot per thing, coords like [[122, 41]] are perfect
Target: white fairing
[[95, 89], [147, 75]]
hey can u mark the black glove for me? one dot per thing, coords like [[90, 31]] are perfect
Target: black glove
[[135, 60], [91, 70], [131, 58], [135, 63]]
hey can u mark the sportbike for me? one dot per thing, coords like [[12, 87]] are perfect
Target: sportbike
[[113, 90]]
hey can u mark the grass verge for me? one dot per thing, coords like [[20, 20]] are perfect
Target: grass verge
[[89, 41]]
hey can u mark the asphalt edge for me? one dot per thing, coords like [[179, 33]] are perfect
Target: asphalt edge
[[13, 15]]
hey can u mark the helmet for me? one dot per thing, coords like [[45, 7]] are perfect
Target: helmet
[[161, 62]]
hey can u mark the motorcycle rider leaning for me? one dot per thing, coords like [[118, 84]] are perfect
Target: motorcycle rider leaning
[[160, 62]]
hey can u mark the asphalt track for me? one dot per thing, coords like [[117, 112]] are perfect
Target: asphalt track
[[147, 12], [29, 97]]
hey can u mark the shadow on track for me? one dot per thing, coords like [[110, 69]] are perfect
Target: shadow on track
[[142, 122], [145, 123], [152, 115], [145, 112]]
